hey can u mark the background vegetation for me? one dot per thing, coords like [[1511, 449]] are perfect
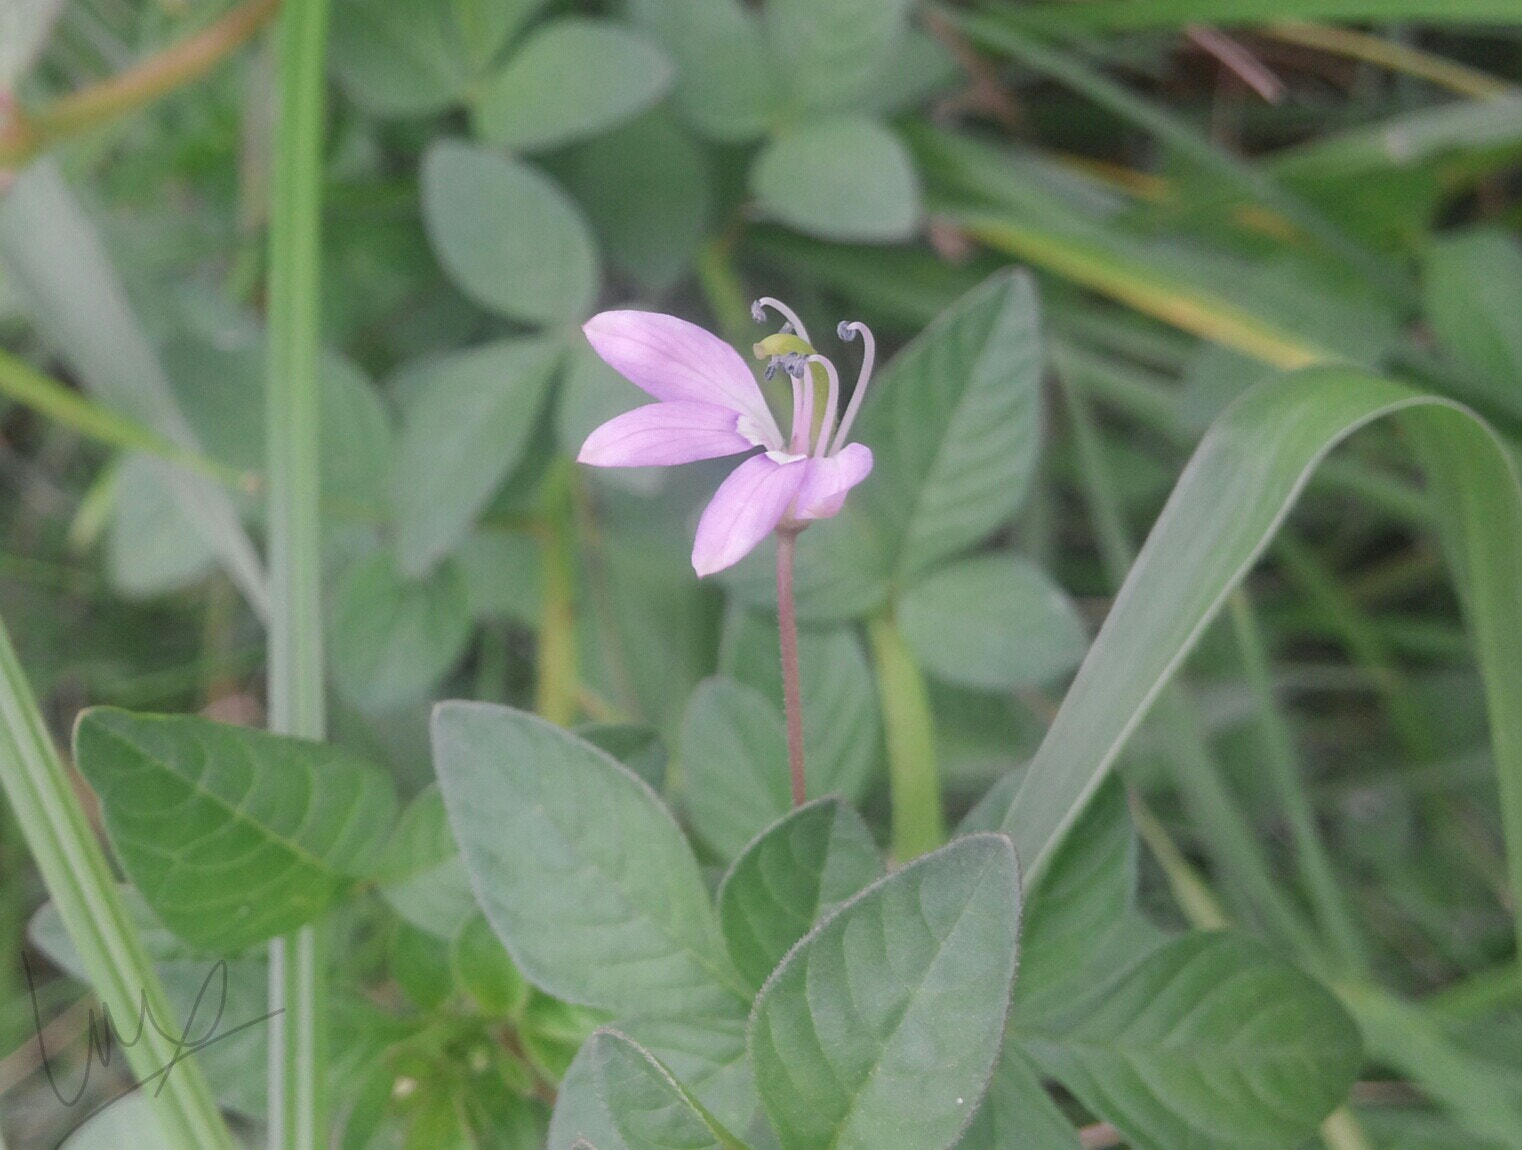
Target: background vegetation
[[1207, 193]]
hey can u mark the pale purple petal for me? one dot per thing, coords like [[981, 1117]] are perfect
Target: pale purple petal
[[676, 360], [745, 509], [823, 492], [662, 434]]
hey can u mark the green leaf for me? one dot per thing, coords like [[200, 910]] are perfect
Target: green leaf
[[1081, 923], [835, 49], [508, 238], [732, 760], [152, 545], [847, 178], [392, 639], [725, 85], [954, 426], [842, 735], [1017, 1110], [419, 962], [571, 78], [413, 57], [221, 389], [1209, 1041], [580, 869], [792, 875], [882, 1026], [468, 422], [232, 835], [649, 1108], [993, 621], [1228, 504], [484, 970], [707, 1055], [646, 190], [422, 876], [502, 574], [1474, 303]]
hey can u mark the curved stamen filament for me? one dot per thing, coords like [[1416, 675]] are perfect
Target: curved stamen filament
[[847, 332], [821, 445], [803, 404], [758, 313]]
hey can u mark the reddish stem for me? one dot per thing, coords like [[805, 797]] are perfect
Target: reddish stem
[[787, 626]]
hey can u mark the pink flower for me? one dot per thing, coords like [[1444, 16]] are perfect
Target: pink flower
[[709, 405]]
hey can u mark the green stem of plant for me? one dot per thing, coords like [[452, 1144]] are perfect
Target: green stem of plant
[[1329, 906], [555, 687], [919, 824], [298, 1056], [80, 880], [23, 383]]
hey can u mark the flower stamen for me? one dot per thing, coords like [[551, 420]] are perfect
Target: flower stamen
[[758, 313], [848, 332], [832, 403]]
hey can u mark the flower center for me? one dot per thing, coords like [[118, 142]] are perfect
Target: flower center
[[791, 351]]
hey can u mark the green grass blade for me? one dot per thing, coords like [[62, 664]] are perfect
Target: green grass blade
[[84, 890], [56, 260], [1231, 499], [1228, 172]]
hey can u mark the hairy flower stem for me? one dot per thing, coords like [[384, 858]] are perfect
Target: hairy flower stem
[[787, 626]]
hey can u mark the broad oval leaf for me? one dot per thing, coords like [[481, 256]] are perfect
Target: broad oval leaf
[[847, 178], [954, 425], [835, 49], [1210, 1041], [232, 835], [581, 871], [468, 422], [571, 78], [647, 190], [650, 1109], [706, 1054], [993, 621], [733, 763], [413, 57], [509, 238], [726, 87], [792, 875], [1018, 1112], [393, 638], [883, 1025]]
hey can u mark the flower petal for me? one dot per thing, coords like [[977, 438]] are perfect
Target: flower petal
[[676, 360], [662, 434], [823, 492], [744, 510]]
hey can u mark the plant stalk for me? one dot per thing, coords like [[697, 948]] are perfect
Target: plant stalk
[[298, 1062], [28, 134], [914, 781], [84, 889], [555, 694], [792, 688]]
